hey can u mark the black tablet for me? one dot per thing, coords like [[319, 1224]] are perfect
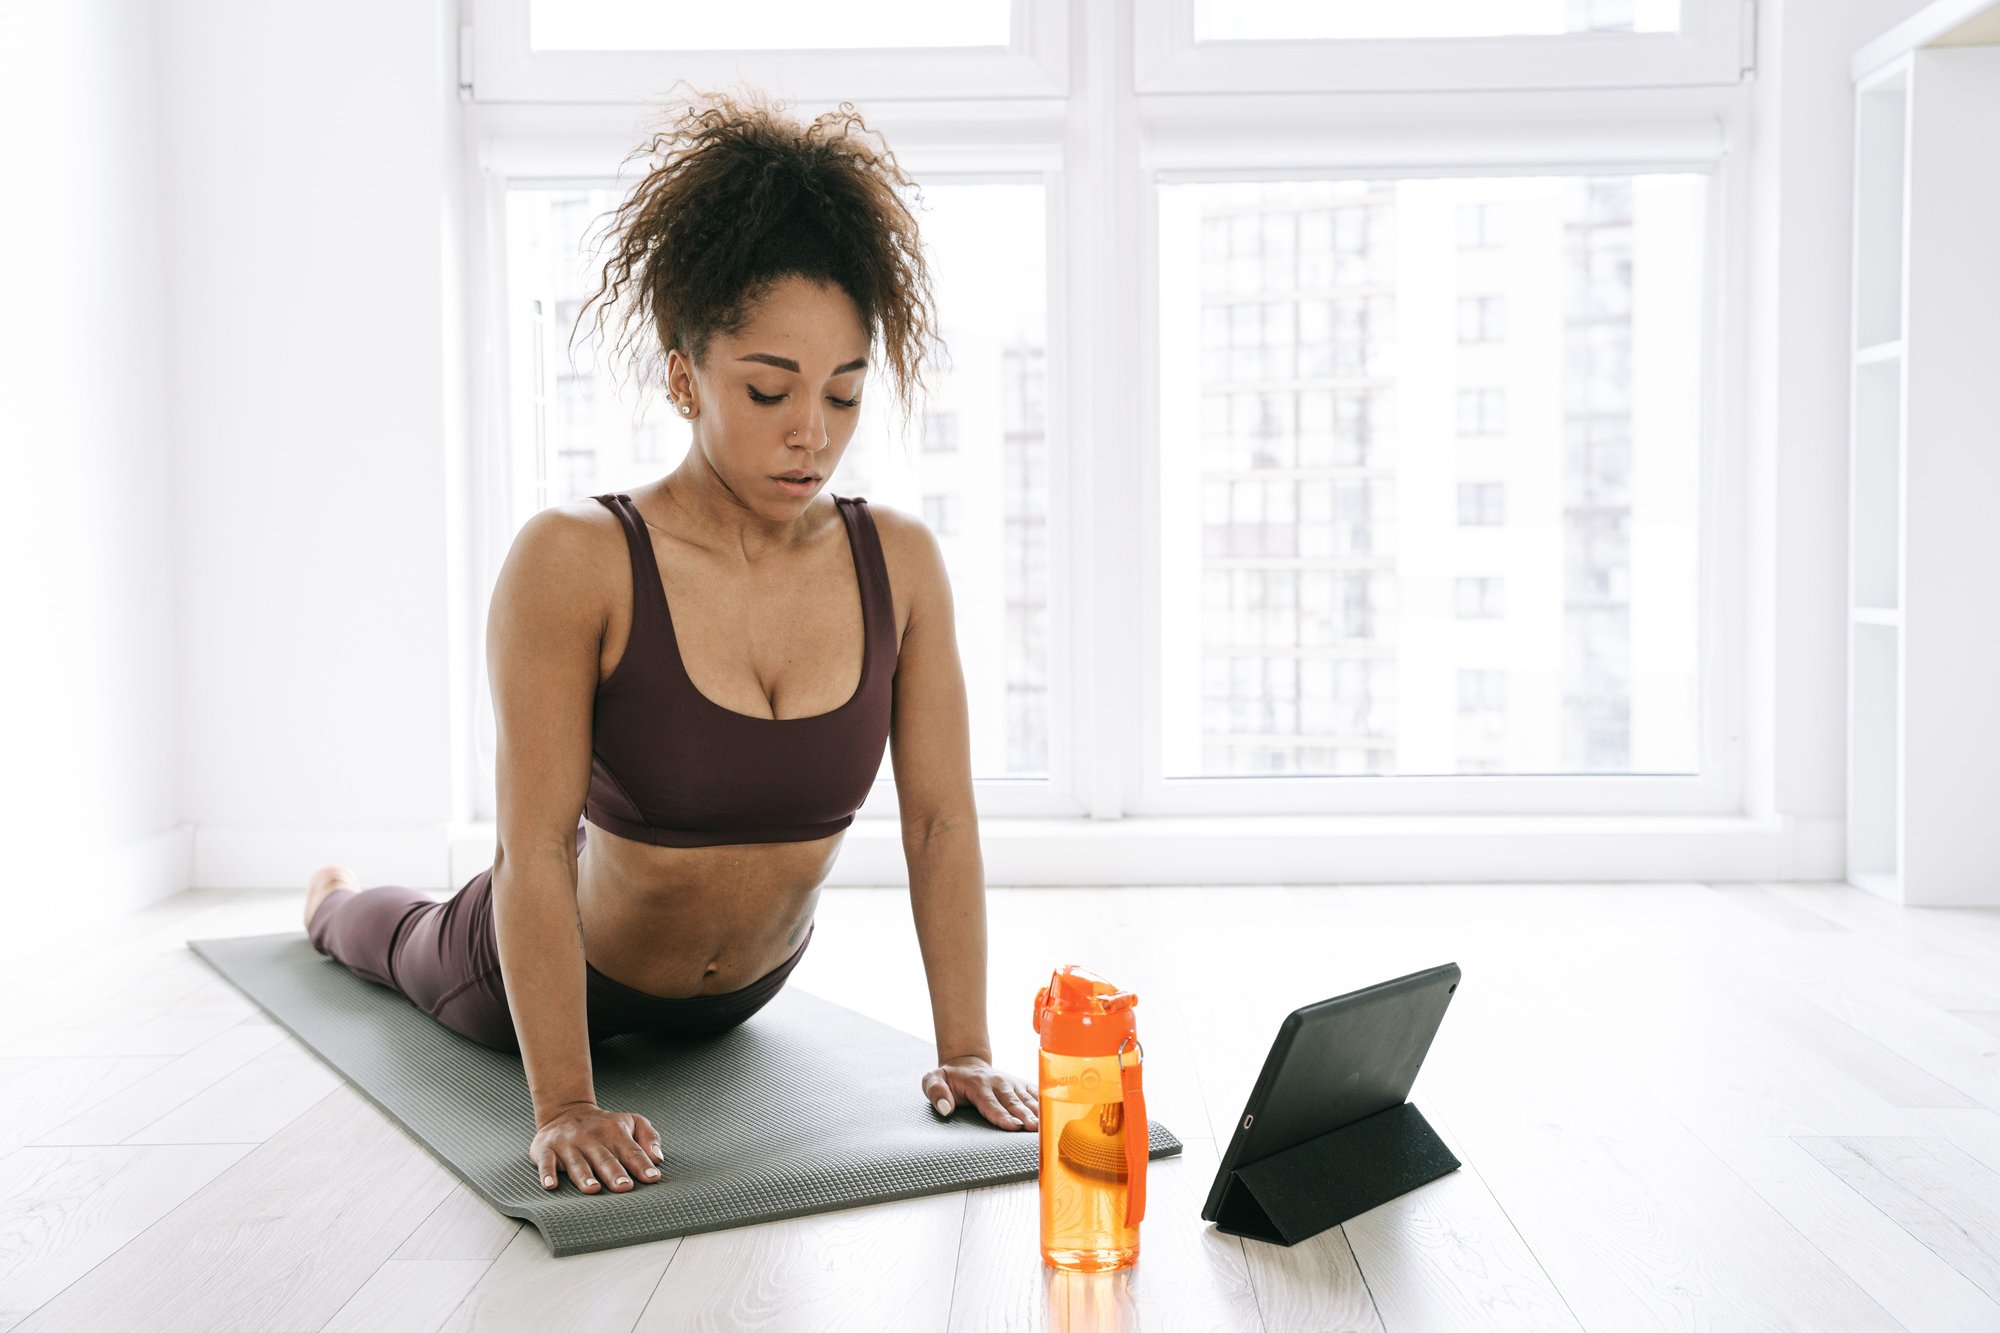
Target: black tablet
[[1334, 1063]]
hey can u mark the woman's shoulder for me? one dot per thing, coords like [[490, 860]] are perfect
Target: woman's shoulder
[[578, 545], [887, 517], [910, 550], [901, 533], [582, 531], [573, 529]]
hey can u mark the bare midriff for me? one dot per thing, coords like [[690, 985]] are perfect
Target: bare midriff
[[684, 921]]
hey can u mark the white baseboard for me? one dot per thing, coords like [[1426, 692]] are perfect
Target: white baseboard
[[281, 856], [60, 886], [1395, 849], [1815, 847]]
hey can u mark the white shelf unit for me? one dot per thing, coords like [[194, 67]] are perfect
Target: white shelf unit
[[1923, 700]]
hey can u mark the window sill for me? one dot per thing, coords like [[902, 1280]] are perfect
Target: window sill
[[1312, 849]]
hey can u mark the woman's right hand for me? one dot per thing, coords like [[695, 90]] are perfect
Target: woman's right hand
[[596, 1147]]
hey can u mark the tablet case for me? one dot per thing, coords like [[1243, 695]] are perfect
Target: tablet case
[[1348, 1063], [1293, 1195]]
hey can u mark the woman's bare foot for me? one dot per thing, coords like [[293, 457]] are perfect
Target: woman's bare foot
[[324, 881]]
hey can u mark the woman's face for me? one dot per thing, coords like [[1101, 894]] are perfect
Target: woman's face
[[781, 398]]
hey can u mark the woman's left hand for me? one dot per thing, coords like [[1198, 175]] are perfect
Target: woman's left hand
[[1002, 1098]]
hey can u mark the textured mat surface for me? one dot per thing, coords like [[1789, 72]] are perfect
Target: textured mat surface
[[807, 1107]]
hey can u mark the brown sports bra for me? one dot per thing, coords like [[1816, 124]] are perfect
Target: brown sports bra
[[671, 766]]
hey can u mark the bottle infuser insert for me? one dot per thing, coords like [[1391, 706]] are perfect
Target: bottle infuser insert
[[1088, 1145]]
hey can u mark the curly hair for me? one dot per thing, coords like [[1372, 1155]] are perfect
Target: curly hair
[[743, 196]]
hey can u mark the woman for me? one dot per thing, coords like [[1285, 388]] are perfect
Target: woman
[[716, 750]]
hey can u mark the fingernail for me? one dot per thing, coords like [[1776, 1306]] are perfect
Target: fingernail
[[548, 1180], [651, 1172], [943, 1106]]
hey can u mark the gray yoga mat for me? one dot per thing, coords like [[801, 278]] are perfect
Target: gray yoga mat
[[807, 1107]]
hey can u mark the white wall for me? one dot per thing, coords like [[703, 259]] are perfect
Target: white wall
[[312, 153], [90, 802]]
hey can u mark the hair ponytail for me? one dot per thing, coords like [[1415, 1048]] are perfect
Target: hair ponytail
[[742, 196]]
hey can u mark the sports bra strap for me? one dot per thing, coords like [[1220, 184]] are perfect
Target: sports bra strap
[[873, 571], [645, 568]]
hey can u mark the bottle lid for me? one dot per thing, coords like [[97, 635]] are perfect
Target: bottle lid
[[1080, 1013]]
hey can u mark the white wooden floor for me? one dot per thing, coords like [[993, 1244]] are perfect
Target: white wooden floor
[[1680, 1106]]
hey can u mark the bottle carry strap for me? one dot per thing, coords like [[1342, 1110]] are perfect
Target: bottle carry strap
[[1138, 1134]]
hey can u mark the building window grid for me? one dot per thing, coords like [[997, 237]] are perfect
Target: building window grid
[[941, 513], [1482, 504], [1024, 521], [1479, 597], [939, 432], [1482, 318], [1481, 225], [1278, 312], [1482, 411], [1597, 402]]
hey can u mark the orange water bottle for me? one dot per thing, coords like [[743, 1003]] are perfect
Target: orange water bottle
[[1094, 1127]]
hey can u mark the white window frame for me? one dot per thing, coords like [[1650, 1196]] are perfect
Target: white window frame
[[1035, 63], [1099, 153], [1708, 49]]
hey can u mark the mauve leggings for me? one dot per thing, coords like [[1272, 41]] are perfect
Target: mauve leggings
[[443, 957]]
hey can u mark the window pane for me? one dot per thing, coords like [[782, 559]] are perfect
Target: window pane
[[576, 436], [773, 25], [1493, 479], [977, 468], [1241, 20]]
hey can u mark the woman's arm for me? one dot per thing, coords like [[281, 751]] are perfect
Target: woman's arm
[[930, 746], [544, 634], [542, 641]]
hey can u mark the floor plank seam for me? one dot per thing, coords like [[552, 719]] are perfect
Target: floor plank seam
[[350, 1297], [1515, 1227], [654, 1294], [958, 1257], [1360, 1272], [1941, 1258]]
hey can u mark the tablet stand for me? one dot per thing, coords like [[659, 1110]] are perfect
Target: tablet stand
[[1298, 1193]]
